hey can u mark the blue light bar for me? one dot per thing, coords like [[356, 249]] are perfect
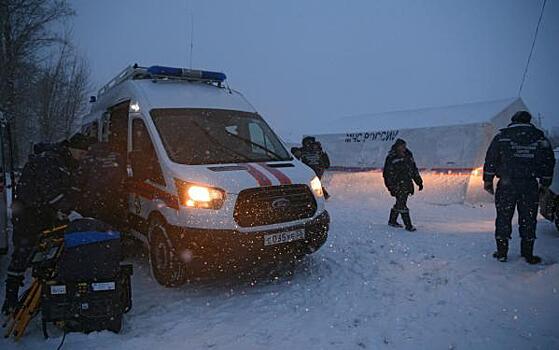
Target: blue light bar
[[186, 73]]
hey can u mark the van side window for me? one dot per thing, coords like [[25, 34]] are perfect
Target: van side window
[[105, 127], [93, 130], [118, 128], [142, 147]]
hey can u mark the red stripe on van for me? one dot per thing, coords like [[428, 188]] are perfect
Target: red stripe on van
[[278, 174], [258, 176], [151, 192]]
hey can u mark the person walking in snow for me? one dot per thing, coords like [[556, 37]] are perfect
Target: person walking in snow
[[45, 191], [400, 172], [522, 158]]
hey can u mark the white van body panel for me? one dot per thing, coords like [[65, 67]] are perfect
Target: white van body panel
[[180, 94], [150, 95], [232, 182]]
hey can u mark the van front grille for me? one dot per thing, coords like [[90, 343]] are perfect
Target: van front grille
[[273, 205]]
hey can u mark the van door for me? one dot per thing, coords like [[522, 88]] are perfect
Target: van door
[[144, 163], [146, 178], [118, 128]]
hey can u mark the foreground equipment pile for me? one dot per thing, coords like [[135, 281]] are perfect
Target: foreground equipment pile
[[78, 281]]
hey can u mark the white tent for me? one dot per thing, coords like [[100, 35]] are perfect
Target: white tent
[[449, 140]]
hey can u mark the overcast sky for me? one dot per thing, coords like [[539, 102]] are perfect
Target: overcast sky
[[307, 62]]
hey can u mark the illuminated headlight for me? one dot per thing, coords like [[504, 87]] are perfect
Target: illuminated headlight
[[316, 187], [198, 196]]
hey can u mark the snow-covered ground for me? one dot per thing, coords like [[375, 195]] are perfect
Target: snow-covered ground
[[369, 287]]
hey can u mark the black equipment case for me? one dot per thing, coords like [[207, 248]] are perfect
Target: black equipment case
[[90, 290]]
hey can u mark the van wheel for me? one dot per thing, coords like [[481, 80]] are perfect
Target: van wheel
[[165, 266]]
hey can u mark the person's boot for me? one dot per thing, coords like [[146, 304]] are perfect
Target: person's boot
[[407, 222], [12, 292], [527, 252], [502, 250], [393, 221]]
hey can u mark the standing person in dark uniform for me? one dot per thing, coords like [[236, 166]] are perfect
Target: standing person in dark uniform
[[519, 156], [313, 156], [308, 155], [400, 172], [324, 160], [101, 178], [44, 192]]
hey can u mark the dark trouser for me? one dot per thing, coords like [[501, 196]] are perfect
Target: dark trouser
[[320, 174], [520, 194], [28, 225], [401, 208], [401, 205], [111, 207]]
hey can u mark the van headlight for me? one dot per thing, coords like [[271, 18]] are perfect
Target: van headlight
[[199, 196], [316, 187]]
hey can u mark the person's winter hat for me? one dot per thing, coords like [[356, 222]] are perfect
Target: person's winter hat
[[308, 140], [399, 142], [80, 141], [521, 117]]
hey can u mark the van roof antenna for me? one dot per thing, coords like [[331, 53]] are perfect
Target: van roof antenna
[[190, 46], [191, 37]]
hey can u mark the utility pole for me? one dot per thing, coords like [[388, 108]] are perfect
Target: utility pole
[[532, 49]]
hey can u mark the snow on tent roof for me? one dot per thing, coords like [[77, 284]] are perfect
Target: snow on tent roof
[[469, 113]]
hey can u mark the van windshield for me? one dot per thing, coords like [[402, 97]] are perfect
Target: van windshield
[[213, 136]]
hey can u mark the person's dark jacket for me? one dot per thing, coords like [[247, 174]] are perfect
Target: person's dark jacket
[[400, 172], [520, 151], [101, 179], [46, 182], [316, 159]]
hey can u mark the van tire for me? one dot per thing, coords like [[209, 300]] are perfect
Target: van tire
[[166, 268]]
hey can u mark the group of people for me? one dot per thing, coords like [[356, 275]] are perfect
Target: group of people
[[520, 156], [75, 175]]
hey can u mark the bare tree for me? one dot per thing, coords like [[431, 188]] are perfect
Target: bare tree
[[61, 94], [26, 28]]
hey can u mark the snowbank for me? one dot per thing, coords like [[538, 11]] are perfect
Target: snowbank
[[439, 189]]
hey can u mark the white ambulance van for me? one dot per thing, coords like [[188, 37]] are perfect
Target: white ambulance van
[[210, 185]]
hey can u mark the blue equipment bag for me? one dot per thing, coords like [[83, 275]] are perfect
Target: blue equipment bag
[[92, 251]]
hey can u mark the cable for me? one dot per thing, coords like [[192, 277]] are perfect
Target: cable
[[532, 49], [62, 341]]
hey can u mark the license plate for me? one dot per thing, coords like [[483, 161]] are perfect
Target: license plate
[[57, 290], [99, 287], [284, 237]]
